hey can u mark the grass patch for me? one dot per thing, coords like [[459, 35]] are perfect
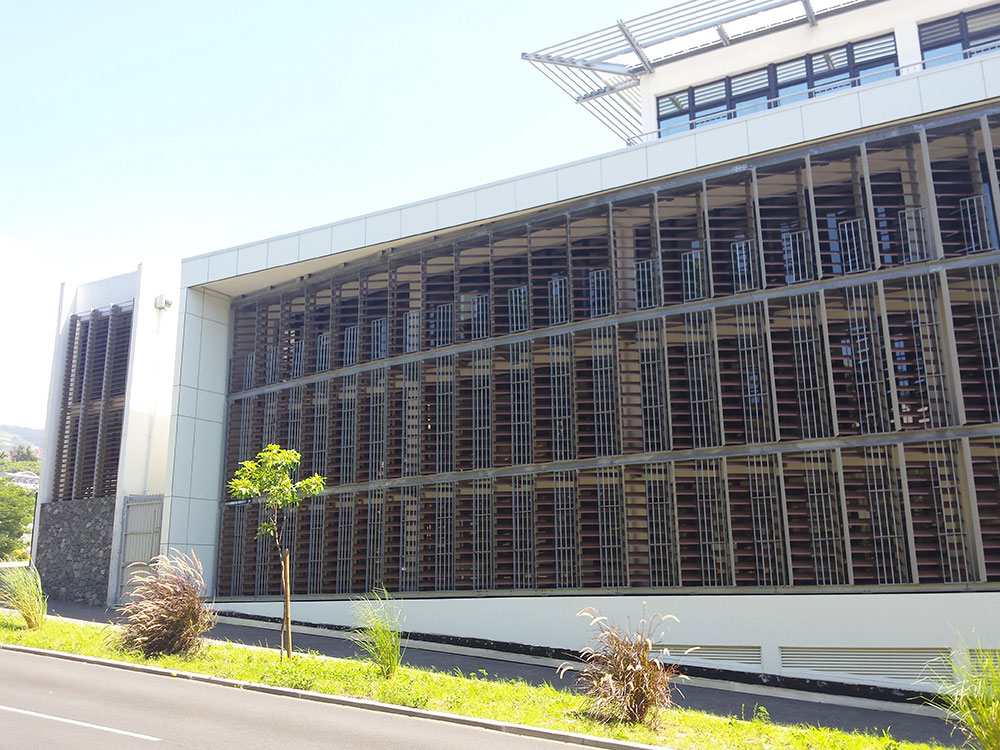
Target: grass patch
[[514, 701], [378, 635]]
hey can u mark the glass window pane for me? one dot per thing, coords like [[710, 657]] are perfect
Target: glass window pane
[[986, 44], [675, 124], [830, 83], [791, 93], [751, 105], [710, 115], [877, 72], [942, 55]]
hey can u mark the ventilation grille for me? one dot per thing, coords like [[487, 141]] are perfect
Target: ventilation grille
[[984, 660], [748, 655], [909, 664]]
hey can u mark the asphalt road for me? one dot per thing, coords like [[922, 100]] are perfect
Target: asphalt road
[[57, 704]]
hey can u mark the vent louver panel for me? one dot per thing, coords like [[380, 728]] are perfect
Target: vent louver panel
[[907, 664], [92, 409]]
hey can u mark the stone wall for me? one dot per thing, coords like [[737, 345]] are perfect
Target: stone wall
[[74, 549]]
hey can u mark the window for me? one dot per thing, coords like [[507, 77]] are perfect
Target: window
[[960, 36], [783, 83]]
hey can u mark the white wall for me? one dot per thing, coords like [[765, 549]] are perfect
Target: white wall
[[888, 624], [142, 466], [195, 457]]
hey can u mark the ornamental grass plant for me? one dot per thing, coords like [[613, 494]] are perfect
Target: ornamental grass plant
[[21, 590], [970, 694], [378, 633], [622, 677], [164, 613]]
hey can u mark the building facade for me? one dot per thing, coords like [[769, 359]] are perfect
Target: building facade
[[100, 496], [743, 370]]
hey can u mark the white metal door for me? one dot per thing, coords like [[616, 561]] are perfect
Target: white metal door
[[140, 534]]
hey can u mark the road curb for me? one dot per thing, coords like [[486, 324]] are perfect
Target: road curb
[[339, 700]]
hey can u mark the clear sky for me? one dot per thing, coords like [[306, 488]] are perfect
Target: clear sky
[[133, 130]]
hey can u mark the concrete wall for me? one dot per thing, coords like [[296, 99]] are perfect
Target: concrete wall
[[802, 635], [73, 548]]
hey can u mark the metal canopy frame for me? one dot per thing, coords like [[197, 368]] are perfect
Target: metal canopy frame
[[602, 70]]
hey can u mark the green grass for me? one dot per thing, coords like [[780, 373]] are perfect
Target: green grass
[[972, 696], [513, 701], [378, 633]]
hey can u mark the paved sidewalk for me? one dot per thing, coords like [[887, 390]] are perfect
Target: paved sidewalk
[[723, 699]]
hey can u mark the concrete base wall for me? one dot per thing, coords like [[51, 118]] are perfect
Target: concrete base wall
[[878, 639], [73, 551]]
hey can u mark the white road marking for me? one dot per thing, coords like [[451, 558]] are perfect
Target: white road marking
[[81, 723]]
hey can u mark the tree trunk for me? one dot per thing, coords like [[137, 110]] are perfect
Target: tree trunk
[[286, 585]]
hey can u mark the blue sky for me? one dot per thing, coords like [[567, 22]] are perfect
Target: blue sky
[[134, 130]]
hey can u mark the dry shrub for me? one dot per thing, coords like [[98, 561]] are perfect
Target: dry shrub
[[165, 613], [623, 680]]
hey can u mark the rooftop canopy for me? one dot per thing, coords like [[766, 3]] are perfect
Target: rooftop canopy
[[601, 70]]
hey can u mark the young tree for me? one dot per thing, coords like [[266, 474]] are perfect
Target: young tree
[[269, 479], [24, 453]]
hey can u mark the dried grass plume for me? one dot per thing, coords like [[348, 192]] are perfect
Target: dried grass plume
[[165, 612], [621, 677]]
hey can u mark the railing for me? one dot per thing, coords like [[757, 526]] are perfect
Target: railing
[[812, 93]]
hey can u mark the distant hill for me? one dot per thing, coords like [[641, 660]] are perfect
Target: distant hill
[[11, 436]]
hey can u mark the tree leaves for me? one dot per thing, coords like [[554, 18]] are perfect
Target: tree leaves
[[17, 507], [269, 478]]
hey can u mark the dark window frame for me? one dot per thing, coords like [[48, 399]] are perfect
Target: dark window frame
[[686, 118], [968, 40]]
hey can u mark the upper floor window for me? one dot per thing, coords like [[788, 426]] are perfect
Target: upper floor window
[[959, 36], [778, 84]]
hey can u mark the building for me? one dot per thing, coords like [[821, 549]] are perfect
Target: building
[[27, 480], [106, 430], [743, 370]]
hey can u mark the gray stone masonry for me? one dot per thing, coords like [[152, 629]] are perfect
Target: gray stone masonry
[[74, 549]]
